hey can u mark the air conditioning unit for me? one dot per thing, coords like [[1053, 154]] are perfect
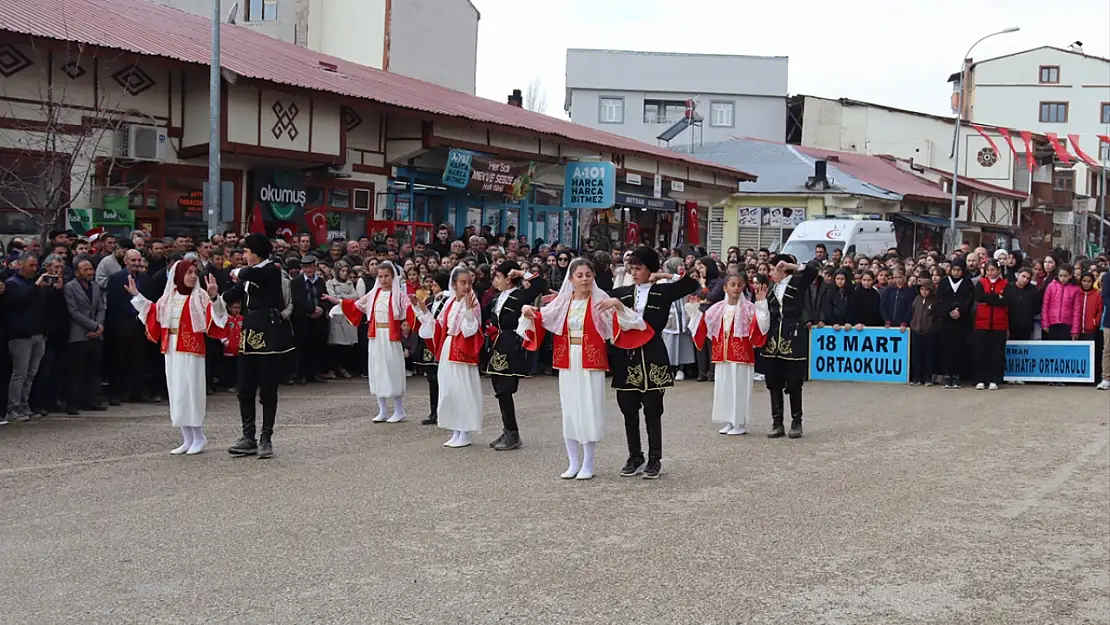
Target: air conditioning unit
[[139, 142]]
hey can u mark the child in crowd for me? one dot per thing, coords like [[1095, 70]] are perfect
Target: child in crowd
[[1090, 316], [229, 364], [863, 309], [1061, 307], [992, 326], [923, 338]]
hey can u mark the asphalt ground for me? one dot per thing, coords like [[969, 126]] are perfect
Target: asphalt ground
[[900, 505]]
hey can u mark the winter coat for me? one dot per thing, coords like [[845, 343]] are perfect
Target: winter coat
[[1025, 305], [1061, 306], [1090, 310], [961, 299], [992, 305], [924, 316], [896, 305], [863, 307], [834, 305]]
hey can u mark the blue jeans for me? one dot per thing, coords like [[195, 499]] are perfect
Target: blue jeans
[[26, 356]]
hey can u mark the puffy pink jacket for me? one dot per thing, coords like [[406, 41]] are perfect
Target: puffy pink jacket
[[1061, 305]]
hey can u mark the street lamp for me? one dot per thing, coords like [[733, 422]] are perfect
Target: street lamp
[[959, 116]]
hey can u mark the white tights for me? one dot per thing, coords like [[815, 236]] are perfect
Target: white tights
[[193, 441], [582, 469]]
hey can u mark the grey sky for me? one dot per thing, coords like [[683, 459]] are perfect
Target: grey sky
[[887, 51]]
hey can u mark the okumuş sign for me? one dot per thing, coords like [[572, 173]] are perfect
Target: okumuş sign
[[281, 192]]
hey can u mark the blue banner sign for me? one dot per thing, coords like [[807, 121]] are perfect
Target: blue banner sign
[[868, 355], [590, 185], [457, 172], [1050, 361]]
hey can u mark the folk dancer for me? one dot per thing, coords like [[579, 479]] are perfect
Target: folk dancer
[[178, 322], [457, 343], [267, 337], [508, 361], [786, 352], [642, 375], [387, 306], [582, 319], [424, 359], [735, 327]]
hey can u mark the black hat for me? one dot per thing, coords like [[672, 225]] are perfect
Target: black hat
[[505, 266], [292, 263], [647, 257], [442, 278], [258, 244]]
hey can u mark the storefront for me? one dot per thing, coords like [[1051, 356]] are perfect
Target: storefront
[[163, 200], [918, 233], [767, 226], [288, 202]]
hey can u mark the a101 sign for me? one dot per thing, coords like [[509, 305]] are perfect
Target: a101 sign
[[590, 185]]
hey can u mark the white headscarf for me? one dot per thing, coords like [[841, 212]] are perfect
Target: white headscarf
[[555, 313], [454, 327], [198, 301], [741, 321], [400, 300]]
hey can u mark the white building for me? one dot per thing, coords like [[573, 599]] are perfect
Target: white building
[[1047, 89], [407, 37], [642, 94]]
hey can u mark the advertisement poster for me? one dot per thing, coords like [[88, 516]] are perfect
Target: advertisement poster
[[589, 185], [481, 174], [868, 355], [1050, 361]]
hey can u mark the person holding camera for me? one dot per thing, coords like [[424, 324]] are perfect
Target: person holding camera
[[25, 315]]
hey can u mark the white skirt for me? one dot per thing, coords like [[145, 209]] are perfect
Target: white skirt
[[187, 386], [582, 396], [386, 365], [732, 393], [680, 348], [460, 395]]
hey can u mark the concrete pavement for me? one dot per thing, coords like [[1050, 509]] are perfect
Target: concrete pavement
[[901, 505]]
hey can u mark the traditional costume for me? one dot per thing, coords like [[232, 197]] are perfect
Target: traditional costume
[[581, 330], [642, 375], [734, 330], [786, 352], [386, 310], [267, 337], [423, 358], [456, 341], [178, 322], [508, 361]]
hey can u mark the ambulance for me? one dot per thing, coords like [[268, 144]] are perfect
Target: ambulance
[[852, 236]]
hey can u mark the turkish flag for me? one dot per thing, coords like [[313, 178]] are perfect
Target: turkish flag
[[257, 225], [632, 236], [693, 235], [318, 224]]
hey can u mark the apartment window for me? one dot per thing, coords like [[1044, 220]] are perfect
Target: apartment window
[[1063, 180], [1103, 151], [261, 10], [1104, 113], [1054, 112], [611, 110], [1050, 74], [722, 114], [664, 111]]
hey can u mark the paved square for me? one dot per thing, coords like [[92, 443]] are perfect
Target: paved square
[[901, 505]]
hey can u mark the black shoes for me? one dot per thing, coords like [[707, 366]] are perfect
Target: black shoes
[[509, 441], [432, 419], [795, 428], [265, 448], [653, 470], [777, 431], [245, 447], [497, 441], [633, 467]]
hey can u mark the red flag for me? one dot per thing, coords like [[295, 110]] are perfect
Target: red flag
[[632, 236], [693, 234], [1104, 138], [990, 141], [257, 225], [1061, 151], [1009, 141], [1027, 137], [1080, 153]]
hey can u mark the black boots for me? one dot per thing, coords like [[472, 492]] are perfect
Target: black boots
[[509, 440], [265, 447], [431, 420], [795, 414], [777, 408], [244, 447]]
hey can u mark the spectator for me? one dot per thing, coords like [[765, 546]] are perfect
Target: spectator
[[125, 333], [112, 262], [342, 336], [49, 389], [923, 330], [834, 309], [955, 297], [1025, 305], [87, 308], [310, 326], [863, 307], [1060, 310], [26, 315], [896, 301], [992, 326]]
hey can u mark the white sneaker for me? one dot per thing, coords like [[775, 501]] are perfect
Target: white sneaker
[[980, 386], [397, 417], [993, 387], [680, 376], [381, 418], [737, 432], [584, 474], [1102, 386], [725, 430]]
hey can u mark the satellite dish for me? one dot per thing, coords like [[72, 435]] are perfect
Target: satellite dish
[[233, 13]]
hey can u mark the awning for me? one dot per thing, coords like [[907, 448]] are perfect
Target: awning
[[927, 220], [1009, 231]]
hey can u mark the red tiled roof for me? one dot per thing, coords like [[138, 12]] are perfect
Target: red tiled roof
[[979, 185], [880, 172], [145, 28]]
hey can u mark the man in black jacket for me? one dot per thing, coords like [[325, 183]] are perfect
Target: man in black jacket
[[125, 335], [26, 315], [642, 375], [310, 326]]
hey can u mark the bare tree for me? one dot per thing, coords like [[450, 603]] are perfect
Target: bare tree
[[57, 137], [535, 98]]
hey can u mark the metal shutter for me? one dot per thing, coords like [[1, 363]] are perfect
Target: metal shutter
[[715, 229], [748, 236]]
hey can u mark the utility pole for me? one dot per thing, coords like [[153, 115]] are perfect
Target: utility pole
[[212, 202]]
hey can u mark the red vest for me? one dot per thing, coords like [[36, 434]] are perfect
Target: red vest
[[354, 317], [464, 349], [739, 349], [187, 341], [988, 317], [234, 335]]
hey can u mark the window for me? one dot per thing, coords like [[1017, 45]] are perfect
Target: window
[[1104, 113], [1054, 112], [261, 10], [664, 111], [1050, 74], [611, 111], [1063, 180], [1103, 151], [721, 114]]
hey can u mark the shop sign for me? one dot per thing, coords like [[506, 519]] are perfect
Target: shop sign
[[633, 179], [192, 202], [657, 190], [481, 174], [282, 192], [642, 201], [678, 186], [589, 185]]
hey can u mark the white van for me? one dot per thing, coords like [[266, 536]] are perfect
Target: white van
[[851, 236]]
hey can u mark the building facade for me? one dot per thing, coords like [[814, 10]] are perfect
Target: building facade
[[642, 94], [382, 34]]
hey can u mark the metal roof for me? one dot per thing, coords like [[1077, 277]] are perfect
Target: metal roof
[[881, 172], [979, 185], [145, 28], [784, 169]]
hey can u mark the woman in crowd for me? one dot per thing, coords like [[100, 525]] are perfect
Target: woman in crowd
[[342, 336], [582, 319], [711, 292], [836, 303], [863, 307], [1061, 307], [676, 336], [955, 297], [734, 327], [457, 345], [178, 322], [923, 328], [992, 326]]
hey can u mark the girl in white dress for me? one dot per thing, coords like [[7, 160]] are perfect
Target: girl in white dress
[[582, 317], [457, 344], [178, 322], [735, 327], [387, 305]]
